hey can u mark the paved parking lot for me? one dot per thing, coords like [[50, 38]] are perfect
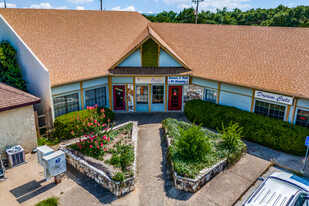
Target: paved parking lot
[[25, 184]]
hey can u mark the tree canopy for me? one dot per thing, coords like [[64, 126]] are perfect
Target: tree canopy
[[9, 69], [280, 16]]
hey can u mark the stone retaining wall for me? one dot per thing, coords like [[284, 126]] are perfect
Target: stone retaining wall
[[117, 188], [205, 175]]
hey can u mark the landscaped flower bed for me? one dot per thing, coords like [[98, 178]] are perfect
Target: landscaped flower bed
[[107, 155], [197, 154]]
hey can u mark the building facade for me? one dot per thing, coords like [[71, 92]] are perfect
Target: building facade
[[137, 66]]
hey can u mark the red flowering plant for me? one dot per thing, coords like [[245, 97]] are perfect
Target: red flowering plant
[[93, 133]]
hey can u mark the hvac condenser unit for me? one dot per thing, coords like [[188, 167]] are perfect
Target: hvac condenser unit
[[43, 151], [1, 168], [16, 155]]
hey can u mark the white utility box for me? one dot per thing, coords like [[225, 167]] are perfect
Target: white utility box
[[54, 164], [43, 151]]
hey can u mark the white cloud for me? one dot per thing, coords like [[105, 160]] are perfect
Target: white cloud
[[80, 8], [41, 6], [46, 6], [8, 5], [150, 12], [79, 1], [129, 8], [211, 5]]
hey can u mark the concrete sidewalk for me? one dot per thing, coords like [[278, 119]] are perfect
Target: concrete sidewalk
[[281, 159]]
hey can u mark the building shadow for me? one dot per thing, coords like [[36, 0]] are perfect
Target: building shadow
[[148, 117], [30, 190], [167, 177], [102, 194]]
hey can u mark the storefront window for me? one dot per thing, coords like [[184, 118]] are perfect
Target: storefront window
[[302, 118], [210, 95], [141, 94], [96, 96], [157, 94], [271, 110], [66, 104]]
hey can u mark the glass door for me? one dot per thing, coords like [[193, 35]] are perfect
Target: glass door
[[119, 97], [142, 98], [175, 98]]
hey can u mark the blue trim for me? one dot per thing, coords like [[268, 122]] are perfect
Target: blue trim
[[107, 96], [142, 107], [158, 107]]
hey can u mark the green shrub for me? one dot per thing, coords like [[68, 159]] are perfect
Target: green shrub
[[273, 133], [52, 201], [231, 135], [216, 151], [119, 177], [65, 124], [9, 68], [192, 144], [123, 156]]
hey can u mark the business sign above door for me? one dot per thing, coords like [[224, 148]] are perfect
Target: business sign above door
[[178, 80], [274, 97], [150, 80]]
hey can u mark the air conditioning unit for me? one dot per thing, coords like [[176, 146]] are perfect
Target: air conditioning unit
[[2, 169], [43, 151], [16, 155]]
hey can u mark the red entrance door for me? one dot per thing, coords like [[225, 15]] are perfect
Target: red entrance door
[[174, 97], [119, 98]]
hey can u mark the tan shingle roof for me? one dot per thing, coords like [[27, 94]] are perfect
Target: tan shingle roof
[[76, 45], [11, 98], [273, 58]]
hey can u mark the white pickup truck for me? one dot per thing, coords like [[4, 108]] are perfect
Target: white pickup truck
[[281, 189]]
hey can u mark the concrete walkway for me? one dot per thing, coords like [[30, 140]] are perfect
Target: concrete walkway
[[281, 159], [153, 185]]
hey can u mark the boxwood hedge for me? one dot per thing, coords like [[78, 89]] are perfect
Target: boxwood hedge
[[64, 125], [273, 133]]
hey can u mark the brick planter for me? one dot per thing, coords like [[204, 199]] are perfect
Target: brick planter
[[100, 176], [205, 175]]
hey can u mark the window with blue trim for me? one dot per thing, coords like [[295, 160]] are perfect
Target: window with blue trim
[[271, 110], [302, 118], [96, 97], [66, 104], [210, 95]]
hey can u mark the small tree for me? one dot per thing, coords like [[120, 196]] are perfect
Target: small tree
[[192, 144], [9, 69], [231, 135]]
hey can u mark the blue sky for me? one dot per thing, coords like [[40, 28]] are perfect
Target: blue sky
[[150, 6]]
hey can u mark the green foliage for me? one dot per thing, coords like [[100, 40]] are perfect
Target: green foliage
[[280, 16], [9, 69], [52, 201], [123, 156], [231, 135], [216, 151], [46, 141], [66, 124], [150, 54], [119, 177], [192, 144], [274, 133]]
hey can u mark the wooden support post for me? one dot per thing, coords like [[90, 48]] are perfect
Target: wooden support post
[[82, 95], [110, 93], [166, 79], [218, 96], [294, 110], [57, 179], [149, 93], [252, 100], [134, 103]]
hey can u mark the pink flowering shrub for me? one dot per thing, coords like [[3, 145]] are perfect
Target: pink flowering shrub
[[93, 133], [92, 145]]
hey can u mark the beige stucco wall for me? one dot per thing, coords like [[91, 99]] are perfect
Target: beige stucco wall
[[17, 127]]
